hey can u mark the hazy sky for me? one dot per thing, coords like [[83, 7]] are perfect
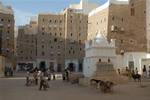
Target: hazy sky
[[24, 9]]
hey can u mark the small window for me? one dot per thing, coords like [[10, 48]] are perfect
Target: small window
[[121, 41], [80, 42], [55, 40], [73, 52], [80, 49], [43, 33], [58, 54], [60, 34], [55, 21], [71, 34], [60, 21], [51, 47], [2, 20], [43, 53], [122, 19], [50, 21], [43, 28], [9, 20], [99, 60], [43, 19], [42, 46], [113, 18], [30, 57], [69, 51], [132, 11]]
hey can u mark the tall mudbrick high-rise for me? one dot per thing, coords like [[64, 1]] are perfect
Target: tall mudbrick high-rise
[[6, 35]]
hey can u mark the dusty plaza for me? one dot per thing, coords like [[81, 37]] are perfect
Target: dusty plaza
[[15, 89], [74, 49]]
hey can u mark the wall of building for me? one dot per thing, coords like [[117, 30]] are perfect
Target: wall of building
[[148, 23], [98, 21], [136, 57], [114, 19], [26, 45], [7, 32], [51, 38]]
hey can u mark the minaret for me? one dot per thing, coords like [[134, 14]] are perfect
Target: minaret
[[84, 5]]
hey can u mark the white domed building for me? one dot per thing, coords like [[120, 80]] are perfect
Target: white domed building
[[98, 49]]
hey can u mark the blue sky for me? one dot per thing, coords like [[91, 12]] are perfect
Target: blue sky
[[24, 9]]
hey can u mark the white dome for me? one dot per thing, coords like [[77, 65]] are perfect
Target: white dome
[[100, 37]]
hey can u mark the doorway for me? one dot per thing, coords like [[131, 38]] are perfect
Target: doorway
[[131, 65], [71, 67], [42, 66]]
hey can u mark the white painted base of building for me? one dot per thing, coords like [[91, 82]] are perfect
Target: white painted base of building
[[133, 60]]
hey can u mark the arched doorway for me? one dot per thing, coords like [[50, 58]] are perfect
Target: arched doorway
[[42, 66], [71, 67]]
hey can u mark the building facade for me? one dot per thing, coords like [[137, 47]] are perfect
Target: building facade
[[75, 35], [126, 21], [60, 39], [7, 34], [26, 46], [51, 41]]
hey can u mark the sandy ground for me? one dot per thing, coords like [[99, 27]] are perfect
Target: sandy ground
[[14, 89]]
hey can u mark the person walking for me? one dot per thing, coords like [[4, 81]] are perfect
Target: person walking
[[27, 78], [41, 75], [144, 71], [35, 75], [136, 70]]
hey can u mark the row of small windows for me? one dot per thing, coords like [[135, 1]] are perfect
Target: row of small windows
[[26, 58], [23, 52], [55, 28], [43, 54], [2, 20], [113, 18], [131, 41], [51, 47], [55, 21]]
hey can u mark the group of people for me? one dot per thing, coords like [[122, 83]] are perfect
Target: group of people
[[39, 76], [145, 71], [8, 71]]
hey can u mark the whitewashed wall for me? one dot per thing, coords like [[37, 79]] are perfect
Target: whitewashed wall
[[136, 57]]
